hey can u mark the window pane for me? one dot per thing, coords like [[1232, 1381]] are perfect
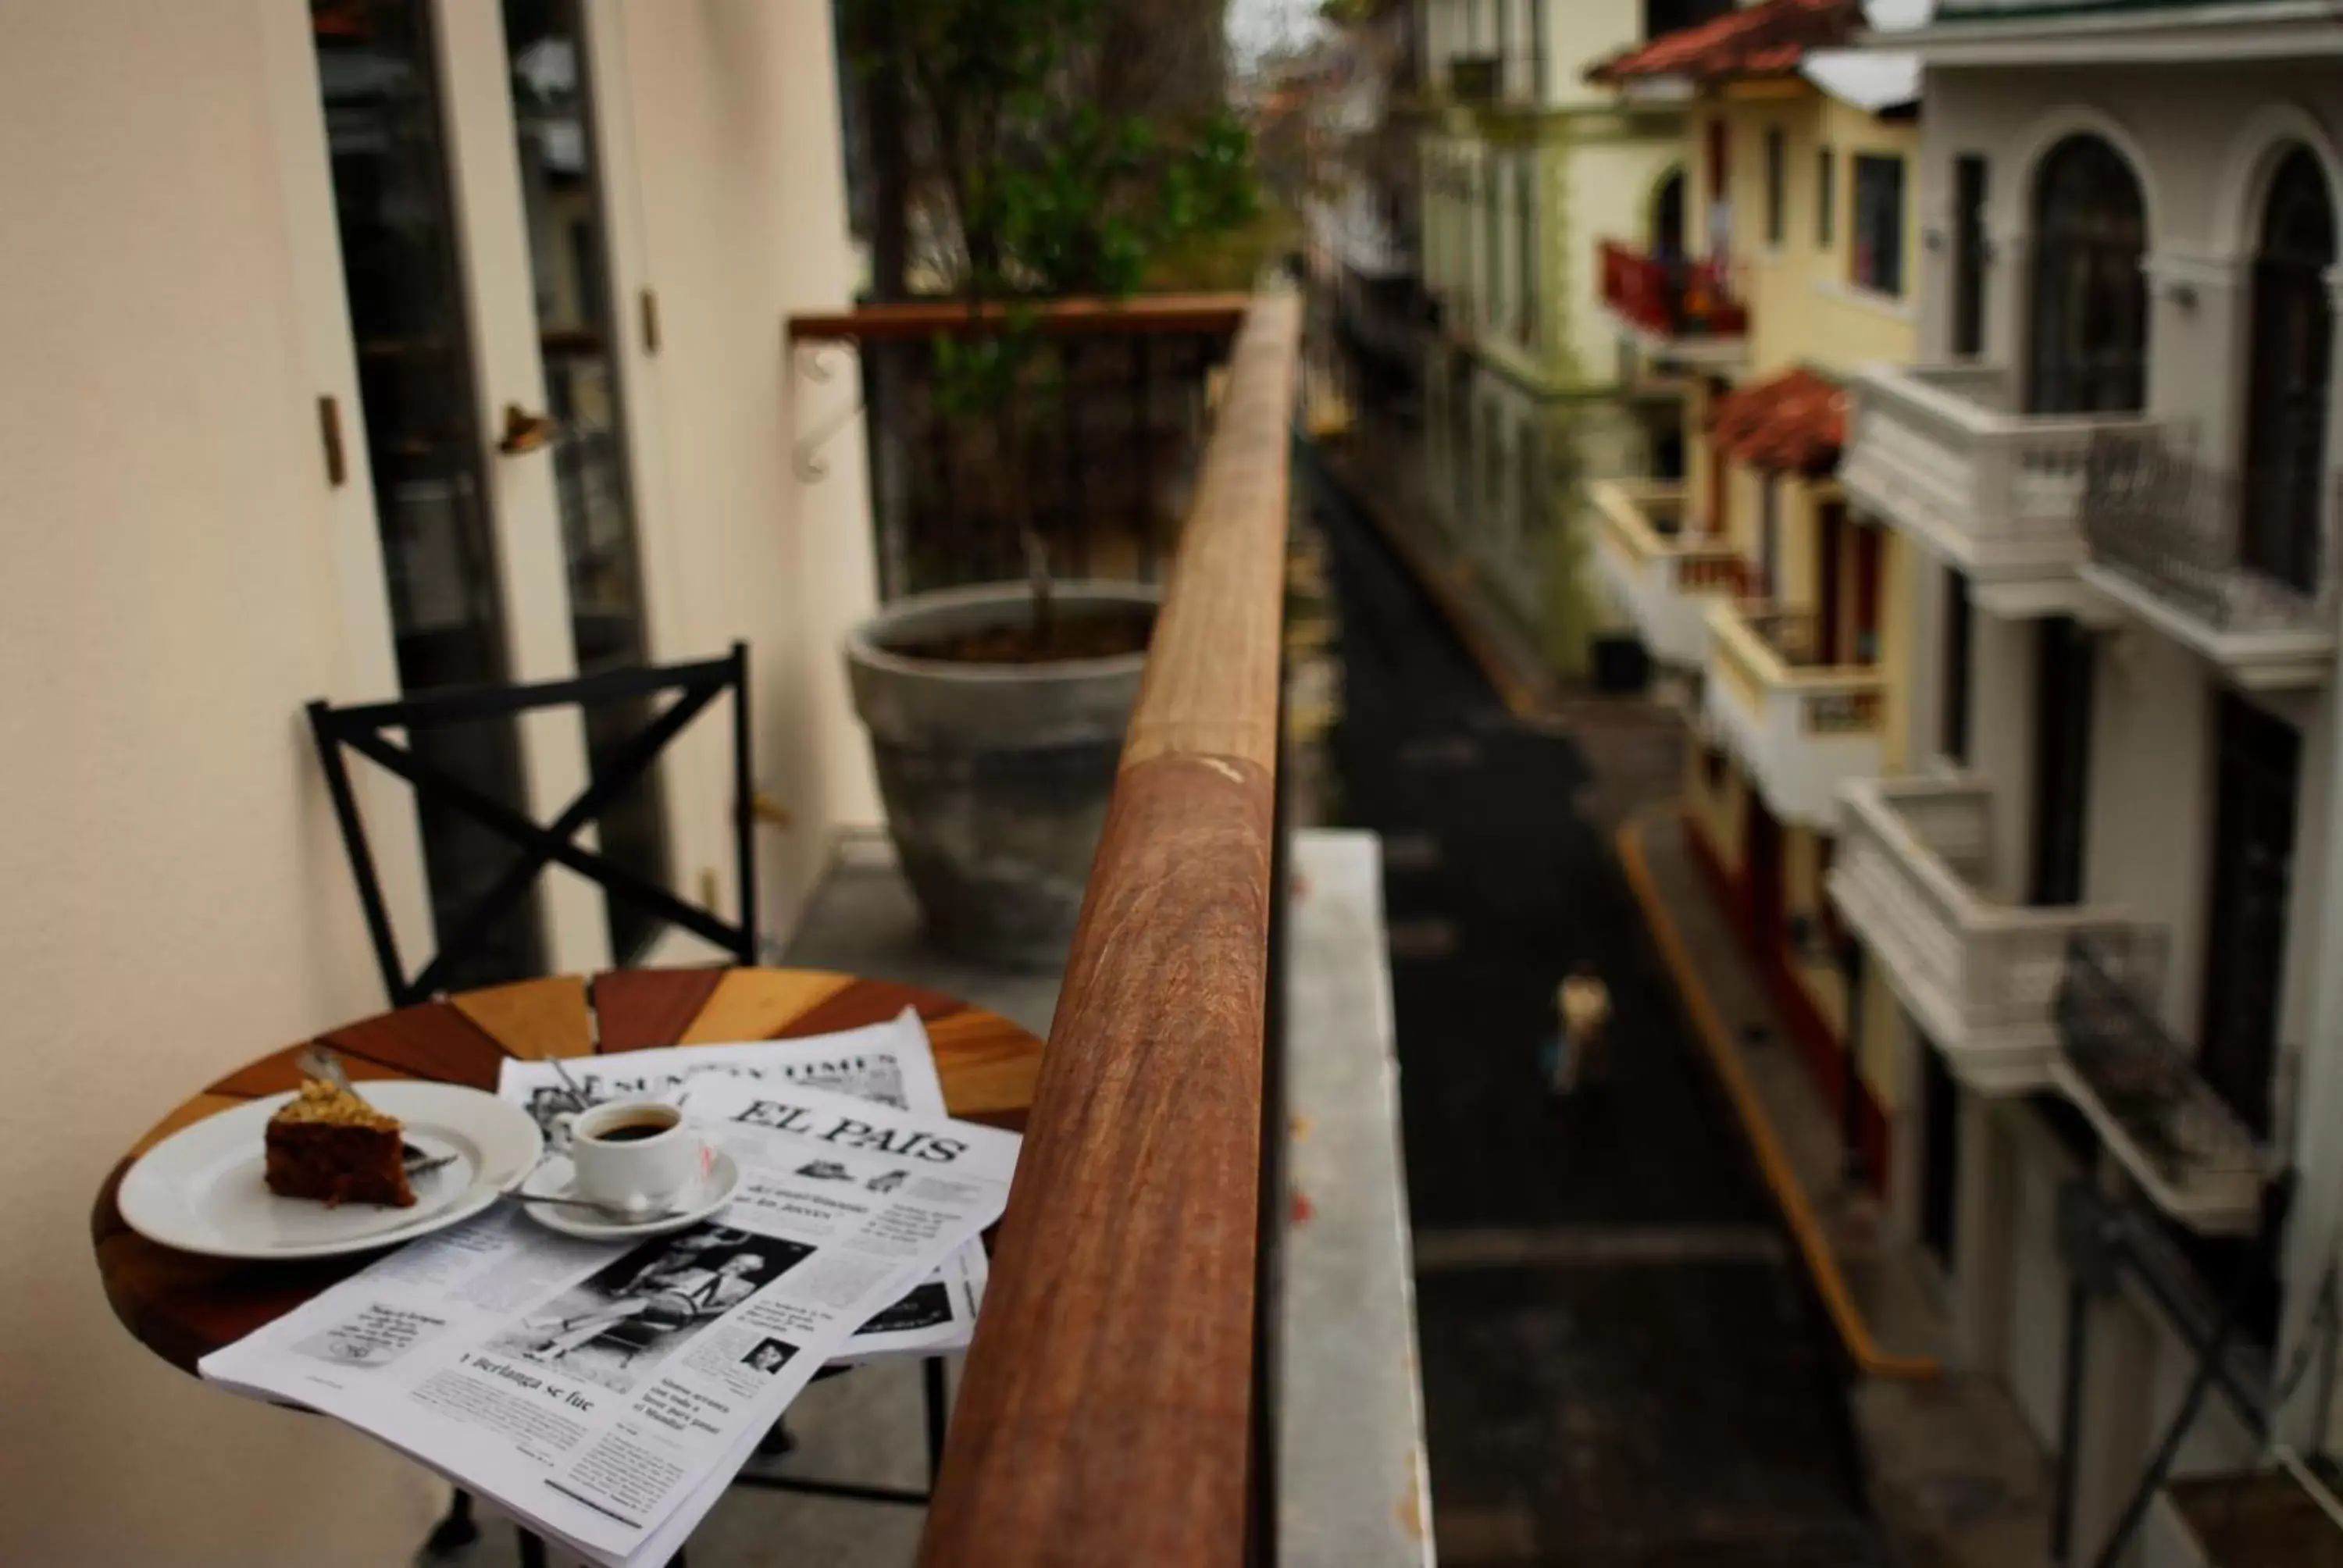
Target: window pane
[[1775, 178], [1879, 259], [376, 72], [577, 336], [1825, 196], [1968, 254]]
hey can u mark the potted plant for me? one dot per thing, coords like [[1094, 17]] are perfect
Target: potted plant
[[996, 711]]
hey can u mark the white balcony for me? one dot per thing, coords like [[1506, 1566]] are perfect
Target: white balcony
[[1940, 452], [1662, 577], [1979, 975], [1801, 730]]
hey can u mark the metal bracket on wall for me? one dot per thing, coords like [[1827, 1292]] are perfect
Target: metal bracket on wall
[[818, 361], [805, 457]]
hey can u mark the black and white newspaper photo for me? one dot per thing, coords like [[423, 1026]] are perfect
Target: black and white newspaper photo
[[605, 1392], [889, 1063]]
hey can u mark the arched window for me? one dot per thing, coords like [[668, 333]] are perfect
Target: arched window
[[1668, 218], [2088, 350], [2285, 391]]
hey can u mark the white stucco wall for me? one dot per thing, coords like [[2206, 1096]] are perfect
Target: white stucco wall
[[2202, 138], [1610, 179], [178, 900]]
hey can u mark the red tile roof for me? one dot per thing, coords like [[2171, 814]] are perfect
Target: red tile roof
[[1795, 422], [1768, 40]]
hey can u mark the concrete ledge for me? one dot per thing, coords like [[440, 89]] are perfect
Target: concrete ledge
[[1353, 1489]]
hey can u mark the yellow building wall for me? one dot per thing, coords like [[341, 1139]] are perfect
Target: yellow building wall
[[1804, 310], [1604, 178]]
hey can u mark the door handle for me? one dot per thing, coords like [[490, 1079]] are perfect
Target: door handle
[[523, 431]]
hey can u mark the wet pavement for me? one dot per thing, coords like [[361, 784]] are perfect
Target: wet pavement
[[1624, 1364]]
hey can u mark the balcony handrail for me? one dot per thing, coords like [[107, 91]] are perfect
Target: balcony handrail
[[1873, 801], [916, 319], [1625, 505], [1919, 388], [1108, 1413], [1742, 625]]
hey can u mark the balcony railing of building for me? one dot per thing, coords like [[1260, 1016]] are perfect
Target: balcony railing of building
[[1801, 726], [1670, 299], [2140, 1089], [1979, 975], [1112, 1410], [1513, 77], [1667, 572], [1101, 446], [1939, 450], [2232, 553]]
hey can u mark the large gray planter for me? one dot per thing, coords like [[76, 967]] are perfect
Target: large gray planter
[[996, 777]]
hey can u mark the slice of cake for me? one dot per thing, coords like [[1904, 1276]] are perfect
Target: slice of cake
[[327, 1144]]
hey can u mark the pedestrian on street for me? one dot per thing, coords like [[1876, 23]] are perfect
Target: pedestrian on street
[[1584, 1004]]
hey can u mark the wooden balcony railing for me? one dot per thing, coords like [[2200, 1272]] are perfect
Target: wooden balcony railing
[[1110, 1411], [1672, 299], [1100, 449]]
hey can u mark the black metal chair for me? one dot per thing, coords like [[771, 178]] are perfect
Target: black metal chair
[[361, 728]]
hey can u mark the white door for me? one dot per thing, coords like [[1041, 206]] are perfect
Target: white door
[[489, 434]]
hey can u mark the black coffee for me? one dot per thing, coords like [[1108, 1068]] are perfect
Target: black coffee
[[630, 1132]]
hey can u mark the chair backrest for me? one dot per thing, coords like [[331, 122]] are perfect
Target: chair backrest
[[361, 728]]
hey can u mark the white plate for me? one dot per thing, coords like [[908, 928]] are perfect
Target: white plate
[[695, 1203], [201, 1190]]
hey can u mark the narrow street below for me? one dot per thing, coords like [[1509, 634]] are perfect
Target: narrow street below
[[1623, 1364]]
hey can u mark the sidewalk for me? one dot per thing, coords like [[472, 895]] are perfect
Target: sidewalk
[[1956, 1475]]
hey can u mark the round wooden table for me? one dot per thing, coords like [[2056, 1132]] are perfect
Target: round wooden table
[[183, 1307]]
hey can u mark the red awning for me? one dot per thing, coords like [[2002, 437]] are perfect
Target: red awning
[[1768, 40], [1795, 422]]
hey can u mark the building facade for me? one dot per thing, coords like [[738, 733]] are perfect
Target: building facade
[[277, 272], [1524, 166], [1773, 605], [2104, 894]]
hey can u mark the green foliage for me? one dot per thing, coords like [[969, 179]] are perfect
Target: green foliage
[[1048, 192], [1052, 194]]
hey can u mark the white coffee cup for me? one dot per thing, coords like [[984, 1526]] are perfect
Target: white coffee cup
[[633, 1156]]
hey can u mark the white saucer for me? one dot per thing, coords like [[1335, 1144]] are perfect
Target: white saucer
[[201, 1190], [557, 1177]]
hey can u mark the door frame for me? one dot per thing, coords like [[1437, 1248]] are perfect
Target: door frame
[[519, 493]]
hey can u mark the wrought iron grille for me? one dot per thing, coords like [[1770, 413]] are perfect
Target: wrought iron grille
[[1102, 452], [2139, 1074], [2153, 512]]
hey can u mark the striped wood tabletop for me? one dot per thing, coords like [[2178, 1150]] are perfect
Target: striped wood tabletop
[[182, 1307]]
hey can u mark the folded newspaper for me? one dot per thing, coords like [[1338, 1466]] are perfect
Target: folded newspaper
[[605, 1393], [890, 1063]]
